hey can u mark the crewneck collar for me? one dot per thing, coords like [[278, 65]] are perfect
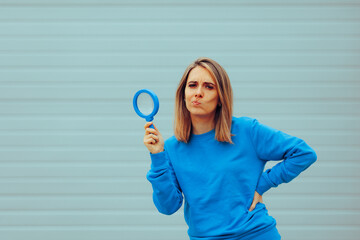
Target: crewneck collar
[[203, 136]]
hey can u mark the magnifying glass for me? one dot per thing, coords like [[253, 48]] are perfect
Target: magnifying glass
[[146, 104]]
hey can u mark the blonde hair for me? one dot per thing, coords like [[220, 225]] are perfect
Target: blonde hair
[[223, 114]]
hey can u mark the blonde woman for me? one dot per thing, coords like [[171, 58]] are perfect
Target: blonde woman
[[215, 161]]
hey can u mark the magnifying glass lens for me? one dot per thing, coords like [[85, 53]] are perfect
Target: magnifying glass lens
[[145, 103]]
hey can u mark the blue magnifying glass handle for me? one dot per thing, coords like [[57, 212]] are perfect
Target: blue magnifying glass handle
[[151, 126], [150, 119]]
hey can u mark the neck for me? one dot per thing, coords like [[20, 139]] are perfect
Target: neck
[[201, 124]]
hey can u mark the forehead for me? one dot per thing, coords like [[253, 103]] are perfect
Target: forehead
[[200, 74]]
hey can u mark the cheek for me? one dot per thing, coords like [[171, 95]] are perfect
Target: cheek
[[187, 93], [215, 98], [186, 98]]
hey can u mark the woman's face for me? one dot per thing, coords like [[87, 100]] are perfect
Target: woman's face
[[201, 94]]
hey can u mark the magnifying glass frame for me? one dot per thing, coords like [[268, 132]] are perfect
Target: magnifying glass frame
[[155, 99]]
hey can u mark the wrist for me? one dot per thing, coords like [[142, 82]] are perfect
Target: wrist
[[155, 152]]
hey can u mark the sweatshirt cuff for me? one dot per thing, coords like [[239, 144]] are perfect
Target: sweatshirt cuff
[[264, 183], [159, 160]]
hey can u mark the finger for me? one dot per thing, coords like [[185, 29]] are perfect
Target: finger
[[150, 141], [151, 138], [254, 201], [252, 207], [151, 131], [147, 141], [153, 141], [156, 138], [155, 128], [147, 125]]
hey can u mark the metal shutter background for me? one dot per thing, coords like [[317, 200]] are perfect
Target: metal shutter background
[[72, 162]]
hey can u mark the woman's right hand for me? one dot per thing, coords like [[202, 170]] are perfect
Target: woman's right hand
[[153, 139]]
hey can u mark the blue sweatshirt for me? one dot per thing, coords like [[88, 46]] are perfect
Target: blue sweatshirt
[[218, 179]]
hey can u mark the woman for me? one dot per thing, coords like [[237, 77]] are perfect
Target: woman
[[216, 161]]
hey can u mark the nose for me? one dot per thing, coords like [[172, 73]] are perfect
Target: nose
[[199, 93]]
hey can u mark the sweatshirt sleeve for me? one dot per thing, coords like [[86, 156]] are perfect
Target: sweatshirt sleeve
[[167, 195], [272, 144]]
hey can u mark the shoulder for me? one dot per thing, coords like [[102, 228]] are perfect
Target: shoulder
[[172, 147], [243, 119], [171, 142], [242, 122]]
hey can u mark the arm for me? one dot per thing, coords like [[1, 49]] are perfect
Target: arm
[[167, 195], [272, 144]]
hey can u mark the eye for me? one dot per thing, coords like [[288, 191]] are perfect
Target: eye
[[209, 86], [191, 85]]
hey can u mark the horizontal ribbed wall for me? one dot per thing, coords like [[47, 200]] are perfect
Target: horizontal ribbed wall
[[72, 162]]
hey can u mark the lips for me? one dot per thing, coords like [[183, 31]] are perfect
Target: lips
[[196, 103]]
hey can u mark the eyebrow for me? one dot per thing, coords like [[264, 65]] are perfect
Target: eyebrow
[[204, 82]]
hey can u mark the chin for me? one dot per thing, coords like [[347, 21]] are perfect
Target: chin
[[197, 111], [200, 113]]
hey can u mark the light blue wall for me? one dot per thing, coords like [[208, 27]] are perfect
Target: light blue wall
[[72, 162]]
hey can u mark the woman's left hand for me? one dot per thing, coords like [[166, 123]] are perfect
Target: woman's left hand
[[257, 199]]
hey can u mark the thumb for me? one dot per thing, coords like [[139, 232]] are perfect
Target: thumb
[[147, 124]]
